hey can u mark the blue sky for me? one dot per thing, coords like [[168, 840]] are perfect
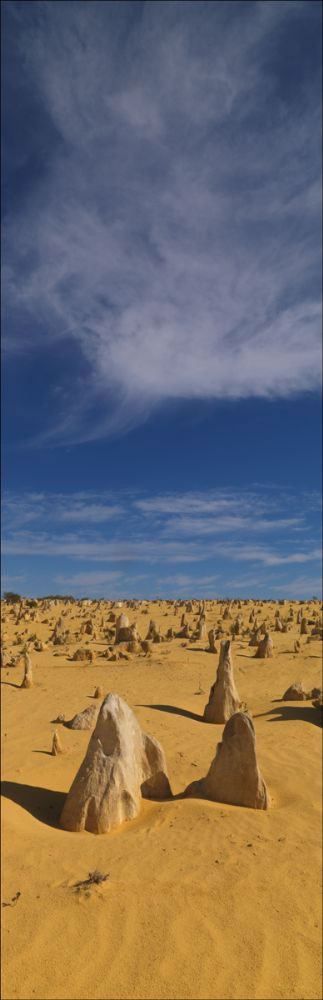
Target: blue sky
[[162, 298]]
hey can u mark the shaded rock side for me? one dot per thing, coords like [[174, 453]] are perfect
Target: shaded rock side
[[295, 692]]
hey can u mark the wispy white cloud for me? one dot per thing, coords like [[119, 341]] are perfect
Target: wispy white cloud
[[101, 583], [90, 579], [186, 583], [223, 512], [212, 502], [145, 550], [91, 513], [99, 550], [271, 559], [172, 236], [90, 508], [262, 499], [224, 525], [308, 586], [249, 553], [260, 509], [198, 550]]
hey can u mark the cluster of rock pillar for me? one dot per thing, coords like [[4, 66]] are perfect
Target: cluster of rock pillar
[[123, 764]]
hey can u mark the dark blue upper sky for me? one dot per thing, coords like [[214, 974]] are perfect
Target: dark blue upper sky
[[161, 297]]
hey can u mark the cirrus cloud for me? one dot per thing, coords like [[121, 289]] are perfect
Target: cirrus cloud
[[171, 232]]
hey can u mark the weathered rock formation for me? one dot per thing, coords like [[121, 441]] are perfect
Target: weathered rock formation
[[265, 648], [317, 631], [88, 627], [219, 633], [255, 638], [56, 745], [28, 675], [83, 720], [121, 764], [234, 776], [58, 637], [201, 629], [152, 630], [123, 633], [223, 698], [184, 633], [146, 647], [295, 692], [83, 654], [133, 646], [211, 638]]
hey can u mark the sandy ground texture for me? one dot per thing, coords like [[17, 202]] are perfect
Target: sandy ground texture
[[202, 900]]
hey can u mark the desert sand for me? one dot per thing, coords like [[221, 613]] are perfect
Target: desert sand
[[202, 899]]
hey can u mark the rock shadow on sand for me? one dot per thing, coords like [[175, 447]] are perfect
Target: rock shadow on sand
[[43, 803], [292, 713], [175, 710], [198, 649], [11, 684]]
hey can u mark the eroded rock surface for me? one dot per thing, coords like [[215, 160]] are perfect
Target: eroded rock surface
[[234, 776], [224, 699], [295, 692], [83, 720], [121, 765], [265, 647], [28, 675]]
